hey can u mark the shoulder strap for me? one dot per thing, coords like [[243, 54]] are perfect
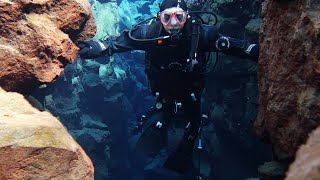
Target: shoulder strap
[[196, 23]]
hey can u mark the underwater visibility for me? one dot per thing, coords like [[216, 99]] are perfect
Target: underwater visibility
[[161, 89]]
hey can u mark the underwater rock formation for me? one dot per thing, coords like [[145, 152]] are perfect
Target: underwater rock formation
[[107, 18], [94, 137], [232, 97], [237, 18], [37, 39], [35, 145], [306, 164], [289, 74]]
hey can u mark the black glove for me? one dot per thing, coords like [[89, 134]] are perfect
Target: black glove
[[91, 49]]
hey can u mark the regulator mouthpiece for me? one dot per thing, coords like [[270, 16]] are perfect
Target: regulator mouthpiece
[[175, 36]]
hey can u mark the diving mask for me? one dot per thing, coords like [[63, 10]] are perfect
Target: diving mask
[[173, 16]]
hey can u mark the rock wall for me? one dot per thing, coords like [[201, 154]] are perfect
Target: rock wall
[[35, 145], [289, 74], [37, 39]]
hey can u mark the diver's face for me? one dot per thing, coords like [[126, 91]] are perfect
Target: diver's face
[[173, 19]]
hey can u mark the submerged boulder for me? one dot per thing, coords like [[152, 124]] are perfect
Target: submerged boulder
[[35, 145], [306, 164], [37, 39], [289, 74], [107, 18]]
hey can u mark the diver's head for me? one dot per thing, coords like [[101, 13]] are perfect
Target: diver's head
[[173, 15]]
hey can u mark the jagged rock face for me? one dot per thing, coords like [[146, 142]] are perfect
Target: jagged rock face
[[35, 145], [37, 39], [289, 74], [306, 164]]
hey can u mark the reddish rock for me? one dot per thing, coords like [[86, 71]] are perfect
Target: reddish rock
[[307, 162], [289, 74], [35, 145], [37, 39]]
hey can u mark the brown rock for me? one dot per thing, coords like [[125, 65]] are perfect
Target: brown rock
[[307, 162], [37, 39], [289, 74], [35, 145]]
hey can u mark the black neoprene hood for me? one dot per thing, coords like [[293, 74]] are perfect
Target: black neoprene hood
[[173, 3]]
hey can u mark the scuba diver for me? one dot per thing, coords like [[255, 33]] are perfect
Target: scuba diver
[[176, 47]]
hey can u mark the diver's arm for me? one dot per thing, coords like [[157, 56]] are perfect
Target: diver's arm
[[121, 43], [214, 41], [236, 47]]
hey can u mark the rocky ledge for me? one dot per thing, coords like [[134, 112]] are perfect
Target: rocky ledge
[[37, 39]]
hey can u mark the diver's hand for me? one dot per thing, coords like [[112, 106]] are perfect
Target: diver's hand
[[91, 49]]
